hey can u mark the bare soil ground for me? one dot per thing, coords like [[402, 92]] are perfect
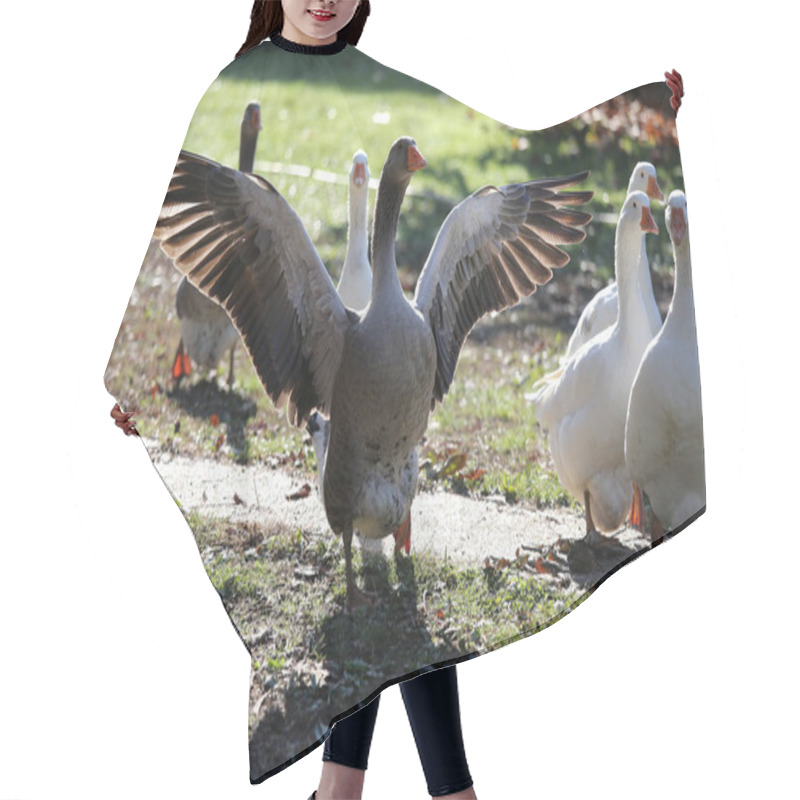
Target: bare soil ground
[[475, 528]]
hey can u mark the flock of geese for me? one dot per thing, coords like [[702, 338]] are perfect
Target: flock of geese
[[623, 409], [365, 380], [362, 366]]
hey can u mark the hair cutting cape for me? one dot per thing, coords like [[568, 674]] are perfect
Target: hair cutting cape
[[520, 435]]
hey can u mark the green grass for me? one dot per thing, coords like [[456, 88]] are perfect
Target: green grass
[[486, 417]]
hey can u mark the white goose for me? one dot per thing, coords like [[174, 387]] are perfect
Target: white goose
[[601, 311], [584, 403], [375, 374], [664, 431], [355, 283], [207, 332], [354, 287]]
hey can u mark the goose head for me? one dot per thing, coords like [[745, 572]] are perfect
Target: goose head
[[635, 220], [359, 172], [643, 179], [636, 213], [403, 161], [252, 117], [677, 221], [251, 125]]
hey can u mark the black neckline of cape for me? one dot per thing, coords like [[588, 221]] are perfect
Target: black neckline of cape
[[307, 49]]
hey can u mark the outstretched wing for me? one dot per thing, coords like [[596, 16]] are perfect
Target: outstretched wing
[[493, 249], [238, 241]]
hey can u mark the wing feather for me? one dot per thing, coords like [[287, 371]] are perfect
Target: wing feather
[[493, 249], [237, 240]]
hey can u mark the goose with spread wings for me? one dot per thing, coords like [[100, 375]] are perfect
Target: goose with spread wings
[[375, 374]]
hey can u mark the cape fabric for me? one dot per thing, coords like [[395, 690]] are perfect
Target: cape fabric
[[498, 546]]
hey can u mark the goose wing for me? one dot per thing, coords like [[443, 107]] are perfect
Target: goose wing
[[238, 241], [493, 249]]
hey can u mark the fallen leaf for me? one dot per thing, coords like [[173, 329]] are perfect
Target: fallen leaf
[[453, 464], [214, 420], [220, 441], [302, 492], [476, 474], [238, 500]]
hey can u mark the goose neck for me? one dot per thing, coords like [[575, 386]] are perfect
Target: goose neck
[[247, 149], [683, 293], [357, 229], [628, 248], [645, 280], [384, 233]]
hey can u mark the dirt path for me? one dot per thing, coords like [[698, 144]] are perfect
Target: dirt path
[[466, 529]]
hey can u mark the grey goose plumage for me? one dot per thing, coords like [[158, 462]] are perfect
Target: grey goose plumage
[[239, 241], [207, 332]]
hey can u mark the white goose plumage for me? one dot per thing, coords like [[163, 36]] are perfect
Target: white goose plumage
[[601, 311], [377, 374], [355, 282], [664, 430], [584, 403]]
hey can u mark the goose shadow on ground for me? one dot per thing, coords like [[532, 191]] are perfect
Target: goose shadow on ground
[[593, 559], [364, 652], [206, 398]]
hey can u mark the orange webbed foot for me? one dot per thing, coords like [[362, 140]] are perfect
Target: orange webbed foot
[[638, 518], [402, 536]]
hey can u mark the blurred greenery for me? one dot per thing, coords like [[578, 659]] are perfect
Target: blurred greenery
[[317, 117]]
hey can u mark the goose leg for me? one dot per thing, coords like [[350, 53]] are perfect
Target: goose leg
[[589, 522], [347, 538], [355, 597], [230, 371], [402, 536]]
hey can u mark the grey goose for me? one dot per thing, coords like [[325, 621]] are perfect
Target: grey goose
[[376, 374]]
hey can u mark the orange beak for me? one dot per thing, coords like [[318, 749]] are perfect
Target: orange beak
[[654, 190], [677, 224], [648, 223], [359, 175], [415, 159]]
